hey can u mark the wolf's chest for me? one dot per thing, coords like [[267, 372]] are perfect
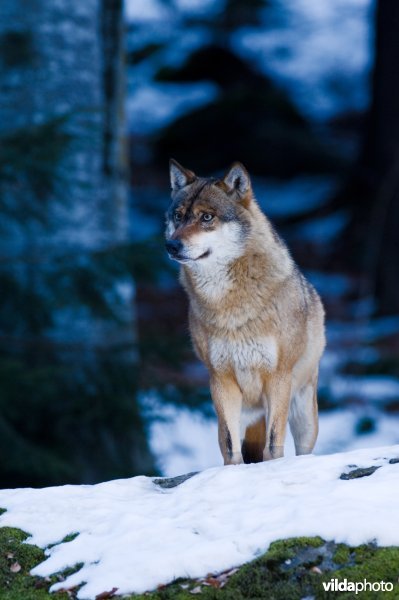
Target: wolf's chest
[[243, 354]]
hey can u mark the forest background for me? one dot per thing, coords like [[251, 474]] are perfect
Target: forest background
[[97, 376]]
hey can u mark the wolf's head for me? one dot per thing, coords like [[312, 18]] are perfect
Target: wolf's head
[[208, 220]]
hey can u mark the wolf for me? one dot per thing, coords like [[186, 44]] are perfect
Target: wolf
[[255, 321]]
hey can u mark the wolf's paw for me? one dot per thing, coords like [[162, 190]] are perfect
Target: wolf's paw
[[274, 452], [236, 459]]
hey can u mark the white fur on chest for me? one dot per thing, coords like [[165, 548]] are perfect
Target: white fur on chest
[[212, 284], [243, 355]]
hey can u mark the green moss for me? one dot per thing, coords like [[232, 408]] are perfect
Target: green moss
[[16, 561], [342, 555], [290, 570], [294, 569], [21, 585], [68, 538], [284, 549]]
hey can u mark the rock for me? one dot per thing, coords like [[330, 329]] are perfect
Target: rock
[[356, 473], [171, 482]]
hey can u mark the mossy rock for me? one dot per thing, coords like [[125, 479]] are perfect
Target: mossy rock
[[295, 569], [291, 569]]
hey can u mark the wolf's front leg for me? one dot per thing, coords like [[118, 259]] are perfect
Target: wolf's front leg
[[278, 395], [227, 398]]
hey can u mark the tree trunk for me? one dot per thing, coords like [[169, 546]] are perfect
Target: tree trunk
[[67, 321], [377, 209]]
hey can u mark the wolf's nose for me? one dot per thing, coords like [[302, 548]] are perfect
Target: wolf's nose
[[173, 247]]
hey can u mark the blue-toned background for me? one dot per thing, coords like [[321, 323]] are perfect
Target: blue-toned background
[[98, 379]]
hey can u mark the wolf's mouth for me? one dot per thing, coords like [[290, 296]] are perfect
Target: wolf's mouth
[[204, 255], [185, 259]]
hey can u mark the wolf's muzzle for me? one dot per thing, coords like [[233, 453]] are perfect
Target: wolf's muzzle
[[173, 247]]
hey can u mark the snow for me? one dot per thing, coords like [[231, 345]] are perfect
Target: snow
[[323, 230], [315, 50], [338, 430], [371, 387], [366, 330], [152, 106], [295, 196], [135, 535], [182, 440], [145, 11], [331, 285], [200, 7]]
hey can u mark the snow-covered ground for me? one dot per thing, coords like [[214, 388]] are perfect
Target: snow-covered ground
[[135, 535]]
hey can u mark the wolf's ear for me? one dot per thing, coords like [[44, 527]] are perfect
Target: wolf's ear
[[179, 176], [237, 179]]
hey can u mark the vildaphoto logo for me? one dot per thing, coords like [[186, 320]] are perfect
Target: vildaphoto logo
[[337, 585]]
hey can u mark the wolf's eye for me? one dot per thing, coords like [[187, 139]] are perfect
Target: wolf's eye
[[177, 217], [207, 217]]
